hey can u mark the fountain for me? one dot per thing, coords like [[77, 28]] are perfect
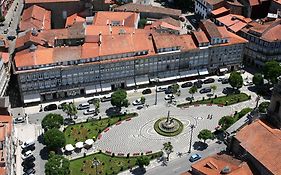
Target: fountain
[[168, 126]]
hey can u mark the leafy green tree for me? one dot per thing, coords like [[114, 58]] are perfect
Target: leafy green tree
[[235, 80], [258, 79], [214, 88], [175, 88], [142, 99], [2, 18], [54, 139], [70, 109], [193, 90], [97, 105], [52, 121], [142, 23], [226, 121], [168, 148], [272, 70], [119, 98], [142, 161], [205, 134], [57, 164]]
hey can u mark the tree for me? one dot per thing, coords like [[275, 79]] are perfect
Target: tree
[[2, 18], [214, 88], [52, 121], [70, 109], [142, 99], [168, 148], [142, 161], [57, 164], [54, 139], [272, 70], [226, 121], [258, 79], [193, 90], [97, 105], [235, 80], [119, 98], [175, 88], [205, 134]]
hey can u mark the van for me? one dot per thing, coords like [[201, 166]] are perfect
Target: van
[[83, 106], [89, 111], [27, 144]]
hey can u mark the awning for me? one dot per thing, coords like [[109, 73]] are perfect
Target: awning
[[106, 87], [79, 145], [169, 78], [98, 88], [31, 98], [89, 142], [190, 73], [203, 71], [223, 69], [90, 89], [142, 80], [130, 82], [69, 147]]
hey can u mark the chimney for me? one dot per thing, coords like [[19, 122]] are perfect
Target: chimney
[[32, 48], [100, 39]]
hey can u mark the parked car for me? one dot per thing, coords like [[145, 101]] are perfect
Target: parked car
[[146, 91], [161, 89], [205, 90], [209, 80], [248, 83], [28, 143], [83, 106], [229, 90], [139, 107], [105, 98], [137, 102], [93, 100], [28, 164], [189, 98], [169, 97], [68, 121], [220, 78], [19, 120], [50, 107], [26, 155], [30, 172], [224, 81], [187, 84], [30, 159], [194, 157], [198, 84], [169, 90], [89, 111]]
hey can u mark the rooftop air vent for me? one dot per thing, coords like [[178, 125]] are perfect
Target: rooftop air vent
[[226, 170], [34, 32], [32, 48]]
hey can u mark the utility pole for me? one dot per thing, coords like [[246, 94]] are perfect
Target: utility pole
[[192, 126]]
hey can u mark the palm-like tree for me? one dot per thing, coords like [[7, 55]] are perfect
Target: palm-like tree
[[168, 148], [214, 88], [70, 109], [193, 90]]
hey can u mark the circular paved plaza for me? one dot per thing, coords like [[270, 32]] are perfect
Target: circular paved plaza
[[138, 134]]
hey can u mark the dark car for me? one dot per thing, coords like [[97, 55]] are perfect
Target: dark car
[[30, 171], [209, 80], [229, 90], [205, 90], [68, 121], [30, 159], [105, 98], [187, 84], [189, 98], [195, 157], [146, 91], [224, 81], [93, 100], [139, 107], [27, 164], [198, 84], [51, 107], [11, 38]]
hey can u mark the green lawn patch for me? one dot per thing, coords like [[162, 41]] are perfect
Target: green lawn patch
[[108, 164], [222, 100], [167, 134], [91, 129]]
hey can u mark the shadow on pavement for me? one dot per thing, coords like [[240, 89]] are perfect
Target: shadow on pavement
[[112, 111], [40, 139], [200, 146], [138, 171], [44, 153]]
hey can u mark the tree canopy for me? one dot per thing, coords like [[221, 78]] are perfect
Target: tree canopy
[[168, 148], [119, 98], [193, 90], [57, 165], [52, 121], [175, 88], [142, 99], [235, 80], [142, 161], [2, 18], [258, 79], [272, 70], [70, 109], [214, 88], [226, 121], [205, 134], [54, 139]]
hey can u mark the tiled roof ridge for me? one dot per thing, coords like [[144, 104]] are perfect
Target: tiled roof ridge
[[275, 23], [211, 165], [268, 128]]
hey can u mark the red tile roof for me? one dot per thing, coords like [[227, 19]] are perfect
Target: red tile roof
[[213, 165], [214, 2], [171, 21], [48, 1], [6, 120], [210, 29], [35, 17], [74, 19], [161, 24], [234, 22], [201, 37], [5, 57], [263, 142], [220, 11]]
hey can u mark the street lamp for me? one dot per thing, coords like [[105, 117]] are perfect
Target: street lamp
[[257, 101], [156, 80], [96, 163], [192, 126]]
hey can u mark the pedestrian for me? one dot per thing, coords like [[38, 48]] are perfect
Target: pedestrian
[[211, 117], [208, 116]]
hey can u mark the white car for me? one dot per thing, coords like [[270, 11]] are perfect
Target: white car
[[26, 155], [89, 111], [169, 97], [19, 120], [137, 102], [161, 89]]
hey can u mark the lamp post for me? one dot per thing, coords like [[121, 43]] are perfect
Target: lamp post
[[257, 101], [156, 80], [96, 163], [192, 126]]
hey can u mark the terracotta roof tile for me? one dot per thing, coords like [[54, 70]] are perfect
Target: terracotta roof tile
[[161, 24], [214, 2], [252, 138], [201, 37], [5, 57], [220, 11], [35, 17], [210, 29], [48, 1], [73, 19], [171, 21]]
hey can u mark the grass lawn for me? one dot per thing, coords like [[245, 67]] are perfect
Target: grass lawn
[[224, 100], [108, 165], [91, 129]]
